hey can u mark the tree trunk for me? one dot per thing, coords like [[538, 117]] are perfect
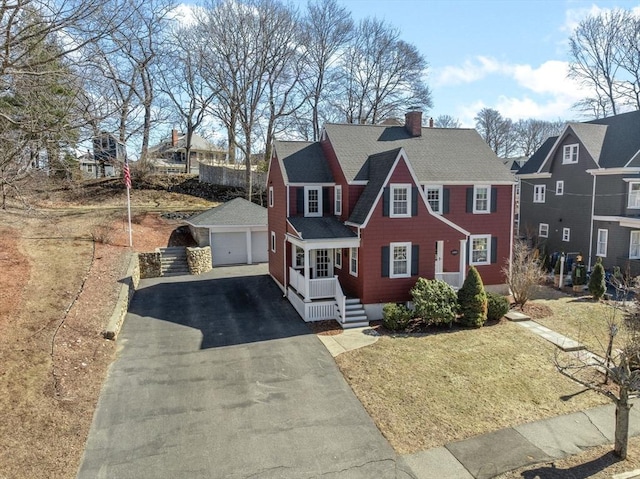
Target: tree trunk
[[622, 424]]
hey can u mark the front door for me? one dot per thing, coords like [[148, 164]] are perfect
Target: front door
[[439, 255], [323, 264]]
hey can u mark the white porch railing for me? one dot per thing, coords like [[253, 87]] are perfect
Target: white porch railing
[[318, 288], [341, 302], [316, 311], [452, 279]]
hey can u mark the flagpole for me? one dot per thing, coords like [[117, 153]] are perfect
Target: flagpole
[[127, 181]]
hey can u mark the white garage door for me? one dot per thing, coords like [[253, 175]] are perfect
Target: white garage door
[[259, 245], [229, 248]]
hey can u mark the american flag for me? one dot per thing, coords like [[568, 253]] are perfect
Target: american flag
[[126, 172]]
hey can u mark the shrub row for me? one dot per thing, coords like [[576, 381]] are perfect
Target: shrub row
[[436, 303]]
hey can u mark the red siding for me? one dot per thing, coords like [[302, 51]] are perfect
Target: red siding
[[277, 220]]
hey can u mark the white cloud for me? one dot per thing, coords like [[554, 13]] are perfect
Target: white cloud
[[470, 71]]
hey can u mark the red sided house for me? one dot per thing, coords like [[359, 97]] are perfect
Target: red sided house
[[357, 217]]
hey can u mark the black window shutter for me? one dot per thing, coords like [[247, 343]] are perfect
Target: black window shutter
[[415, 259], [300, 200], [326, 206], [385, 201], [385, 261], [469, 200], [494, 200], [494, 249], [445, 201], [414, 201]]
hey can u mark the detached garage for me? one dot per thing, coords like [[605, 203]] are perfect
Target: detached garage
[[236, 232]]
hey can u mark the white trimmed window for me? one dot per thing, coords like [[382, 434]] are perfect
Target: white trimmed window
[[481, 199], [559, 188], [634, 195], [400, 260], [566, 234], [603, 240], [400, 201], [543, 230], [634, 245], [434, 197], [539, 193], [312, 201], [273, 241], [298, 257], [570, 154], [337, 200], [271, 197], [480, 253], [353, 261], [338, 258]]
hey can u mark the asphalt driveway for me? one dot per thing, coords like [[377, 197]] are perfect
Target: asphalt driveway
[[217, 377]]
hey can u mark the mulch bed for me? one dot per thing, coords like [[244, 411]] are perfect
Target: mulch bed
[[325, 328]]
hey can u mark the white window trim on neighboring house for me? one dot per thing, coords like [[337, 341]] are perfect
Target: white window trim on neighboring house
[[543, 230], [566, 234], [487, 249], [603, 243], [353, 261], [476, 200], [273, 241], [539, 193], [398, 261], [559, 188], [634, 195], [271, 197], [392, 200], [307, 212], [570, 154], [338, 258], [634, 246], [434, 191], [337, 200]]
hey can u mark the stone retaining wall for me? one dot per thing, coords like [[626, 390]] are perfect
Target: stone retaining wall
[[199, 260], [150, 264], [128, 287]]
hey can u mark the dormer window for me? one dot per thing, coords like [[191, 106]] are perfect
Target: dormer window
[[570, 154], [400, 201]]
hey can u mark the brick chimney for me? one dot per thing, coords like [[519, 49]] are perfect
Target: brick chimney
[[413, 122], [430, 122], [174, 137]]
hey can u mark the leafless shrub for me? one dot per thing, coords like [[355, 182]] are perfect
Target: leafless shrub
[[102, 232], [524, 271]]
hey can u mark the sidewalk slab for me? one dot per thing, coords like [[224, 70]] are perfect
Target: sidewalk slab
[[604, 418], [516, 316], [491, 454], [563, 435], [563, 342], [436, 463]]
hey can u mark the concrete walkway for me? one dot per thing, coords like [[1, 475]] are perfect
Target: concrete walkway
[[491, 454]]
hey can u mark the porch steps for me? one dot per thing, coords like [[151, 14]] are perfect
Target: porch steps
[[174, 261], [355, 316]]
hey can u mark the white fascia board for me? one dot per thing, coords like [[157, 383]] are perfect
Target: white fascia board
[[534, 176], [358, 182], [555, 146], [468, 183], [329, 243], [633, 158], [612, 171], [311, 184], [294, 229], [232, 228], [621, 220]]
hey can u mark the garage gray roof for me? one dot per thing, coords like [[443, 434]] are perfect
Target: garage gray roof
[[302, 162], [326, 227], [237, 212], [439, 155]]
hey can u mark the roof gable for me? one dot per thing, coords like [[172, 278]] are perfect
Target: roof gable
[[302, 162], [237, 212]]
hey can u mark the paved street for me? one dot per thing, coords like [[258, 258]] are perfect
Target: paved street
[[217, 377]]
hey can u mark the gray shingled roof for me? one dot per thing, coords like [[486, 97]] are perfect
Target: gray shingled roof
[[377, 169], [440, 155], [327, 227], [302, 162], [237, 212], [536, 160]]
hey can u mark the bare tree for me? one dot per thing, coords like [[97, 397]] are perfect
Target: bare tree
[[529, 135], [496, 131], [383, 74], [524, 271], [614, 371], [595, 49], [326, 30], [446, 121]]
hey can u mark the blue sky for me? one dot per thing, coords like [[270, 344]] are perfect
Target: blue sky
[[510, 55]]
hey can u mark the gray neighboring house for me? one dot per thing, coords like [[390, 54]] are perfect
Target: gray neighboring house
[[580, 192], [235, 230]]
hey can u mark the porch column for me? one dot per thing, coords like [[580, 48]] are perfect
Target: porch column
[[463, 261], [306, 275]]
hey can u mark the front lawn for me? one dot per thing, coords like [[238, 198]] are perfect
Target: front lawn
[[427, 391]]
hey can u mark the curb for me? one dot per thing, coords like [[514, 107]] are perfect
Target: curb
[[127, 289]]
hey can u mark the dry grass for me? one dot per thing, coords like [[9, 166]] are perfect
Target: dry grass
[[57, 291], [424, 392]]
